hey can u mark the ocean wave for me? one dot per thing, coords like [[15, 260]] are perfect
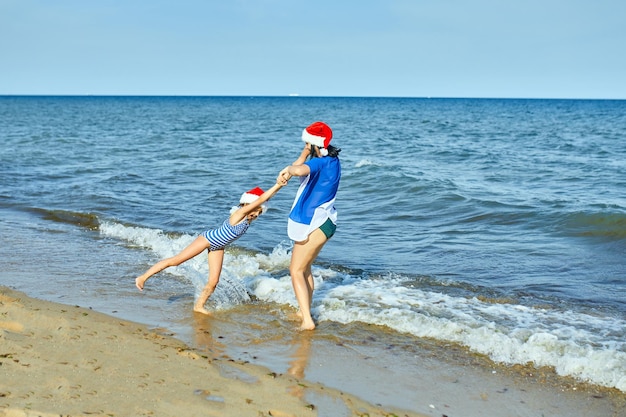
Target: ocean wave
[[610, 225], [87, 220], [239, 263], [367, 162], [589, 347]]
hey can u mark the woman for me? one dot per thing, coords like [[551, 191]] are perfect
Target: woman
[[313, 217]]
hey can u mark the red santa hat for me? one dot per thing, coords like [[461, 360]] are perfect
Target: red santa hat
[[251, 196], [318, 134]]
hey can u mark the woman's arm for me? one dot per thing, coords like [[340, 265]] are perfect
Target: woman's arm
[[303, 155], [298, 168], [292, 170]]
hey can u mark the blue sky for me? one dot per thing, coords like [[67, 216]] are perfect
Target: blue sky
[[396, 48]]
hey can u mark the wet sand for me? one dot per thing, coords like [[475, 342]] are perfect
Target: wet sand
[[59, 359], [389, 369], [65, 360]]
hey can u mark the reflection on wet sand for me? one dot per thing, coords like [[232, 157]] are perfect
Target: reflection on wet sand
[[299, 359], [301, 352], [203, 336]]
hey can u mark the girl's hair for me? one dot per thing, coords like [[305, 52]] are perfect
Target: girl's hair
[[332, 151]]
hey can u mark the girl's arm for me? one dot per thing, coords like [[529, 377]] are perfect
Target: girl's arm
[[239, 214]]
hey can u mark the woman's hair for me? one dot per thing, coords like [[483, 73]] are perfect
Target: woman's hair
[[332, 151]]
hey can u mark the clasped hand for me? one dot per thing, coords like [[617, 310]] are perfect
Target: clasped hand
[[283, 176]]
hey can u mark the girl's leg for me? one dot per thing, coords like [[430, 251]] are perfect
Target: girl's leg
[[216, 259], [189, 252], [302, 257]]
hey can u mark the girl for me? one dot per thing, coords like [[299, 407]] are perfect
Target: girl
[[215, 240], [313, 217]]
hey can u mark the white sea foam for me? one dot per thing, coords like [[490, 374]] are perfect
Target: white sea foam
[[589, 347], [231, 290], [366, 162], [574, 344]]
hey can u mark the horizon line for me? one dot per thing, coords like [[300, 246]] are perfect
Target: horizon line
[[297, 96]]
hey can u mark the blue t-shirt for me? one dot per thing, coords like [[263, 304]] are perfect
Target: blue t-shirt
[[314, 202]]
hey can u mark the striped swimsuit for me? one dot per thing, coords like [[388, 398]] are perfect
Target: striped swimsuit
[[226, 234]]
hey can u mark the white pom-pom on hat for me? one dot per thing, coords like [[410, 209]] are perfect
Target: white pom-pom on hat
[[318, 134]]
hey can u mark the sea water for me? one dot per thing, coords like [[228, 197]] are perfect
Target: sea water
[[496, 225]]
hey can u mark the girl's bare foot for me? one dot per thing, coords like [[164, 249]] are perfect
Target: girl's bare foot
[[202, 310], [139, 281]]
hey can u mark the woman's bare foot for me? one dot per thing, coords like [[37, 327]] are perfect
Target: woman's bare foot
[[294, 316], [307, 325]]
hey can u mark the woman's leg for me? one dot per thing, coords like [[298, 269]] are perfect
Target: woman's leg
[[189, 252], [302, 257], [216, 259]]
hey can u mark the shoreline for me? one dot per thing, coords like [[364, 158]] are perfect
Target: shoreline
[[69, 360], [72, 360], [422, 375]]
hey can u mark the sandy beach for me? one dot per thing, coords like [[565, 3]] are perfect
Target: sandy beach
[[67, 360], [58, 359]]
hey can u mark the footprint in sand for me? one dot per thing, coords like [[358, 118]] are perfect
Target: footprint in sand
[[12, 326]]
